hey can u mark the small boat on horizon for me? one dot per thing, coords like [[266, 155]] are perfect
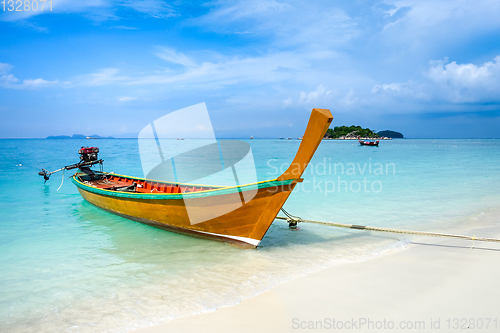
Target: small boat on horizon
[[173, 206], [369, 143]]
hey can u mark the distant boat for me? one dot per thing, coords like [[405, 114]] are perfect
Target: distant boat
[[165, 204], [369, 143], [289, 138], [282, 138], [251, 137], [299, 138], [180, 139]]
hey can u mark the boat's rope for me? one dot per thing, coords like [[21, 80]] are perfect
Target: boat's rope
[[291, 218], [105, 181], [62, 181]]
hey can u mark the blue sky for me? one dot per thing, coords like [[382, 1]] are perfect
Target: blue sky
[[426, 68]]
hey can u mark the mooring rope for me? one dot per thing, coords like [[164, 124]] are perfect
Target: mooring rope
[[62, 181], [291, 218]]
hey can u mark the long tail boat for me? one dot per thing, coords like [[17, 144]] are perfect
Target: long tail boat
[[163, 204], [369, 143]]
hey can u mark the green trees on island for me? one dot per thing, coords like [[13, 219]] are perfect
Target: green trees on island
[[355, 131], [350, 131]]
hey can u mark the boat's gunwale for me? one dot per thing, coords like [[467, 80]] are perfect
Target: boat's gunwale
[[161, 181], [187, 195]]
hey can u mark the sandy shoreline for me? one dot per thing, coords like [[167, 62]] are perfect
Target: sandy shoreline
[[434, 285]]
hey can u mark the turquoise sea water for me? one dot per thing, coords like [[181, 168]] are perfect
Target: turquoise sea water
[[65, 265]]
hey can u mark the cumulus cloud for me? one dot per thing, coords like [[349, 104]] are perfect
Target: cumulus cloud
[[466, 75], [467, 83], [450, 82], [10, 81], [314, 96]]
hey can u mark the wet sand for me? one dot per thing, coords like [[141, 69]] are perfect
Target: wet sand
[[434, 285]]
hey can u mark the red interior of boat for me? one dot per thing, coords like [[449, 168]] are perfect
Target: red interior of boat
[[112, 182]]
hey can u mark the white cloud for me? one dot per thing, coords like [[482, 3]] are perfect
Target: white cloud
[[172, 56], [220, 72], [395, 88], [103, 77], [429, 13], [5, 68], [10, 81], [225, 71], [349, 98], [229, 11], [450, 83], [287, 102], [314, 97], [124, 27], [37, 83], [467, 75], [126, 99], [97, 10], [153, 8], [430, 25], [466, 83], [292, 23]]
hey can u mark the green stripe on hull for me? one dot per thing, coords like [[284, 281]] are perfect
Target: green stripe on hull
[[177, 196]]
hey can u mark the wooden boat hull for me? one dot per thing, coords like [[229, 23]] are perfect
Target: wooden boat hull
[[175, 206], [244, 226]]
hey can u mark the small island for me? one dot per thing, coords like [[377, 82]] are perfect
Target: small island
[[391, 134], [78, 136], [357, 132]]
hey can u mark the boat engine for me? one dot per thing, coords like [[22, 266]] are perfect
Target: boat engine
[[88, 157], [88, 154]]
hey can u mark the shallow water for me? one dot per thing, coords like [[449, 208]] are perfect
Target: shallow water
[[69, 266]]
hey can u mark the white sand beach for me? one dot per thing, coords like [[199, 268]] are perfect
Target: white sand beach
[[434, 285]]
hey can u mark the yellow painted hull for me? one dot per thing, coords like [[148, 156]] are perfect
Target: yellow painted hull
[[244, 226], [245, 221]]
